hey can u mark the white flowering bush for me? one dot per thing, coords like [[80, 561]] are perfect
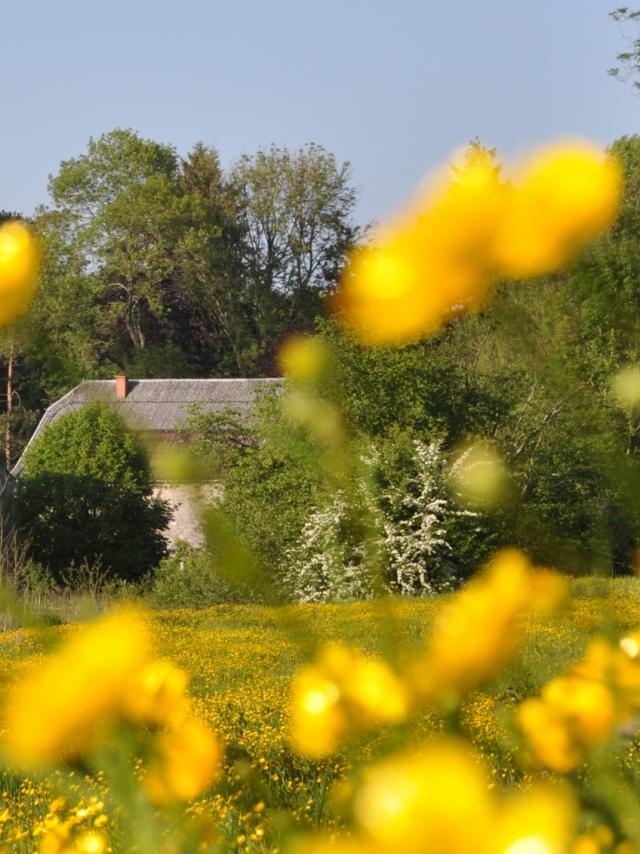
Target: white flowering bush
[[417, 524]]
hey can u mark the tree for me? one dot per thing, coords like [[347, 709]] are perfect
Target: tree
[[85, 494], [126, 233], [629, 59], [295, 210]]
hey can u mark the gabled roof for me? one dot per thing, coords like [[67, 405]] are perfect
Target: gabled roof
[[159, 406]]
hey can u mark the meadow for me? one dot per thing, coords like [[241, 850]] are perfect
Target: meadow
[[241, 660]]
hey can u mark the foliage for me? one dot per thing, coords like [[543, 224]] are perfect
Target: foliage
[[187, 578], [295, 212], [629, 59], [425, 541], [85, 494]]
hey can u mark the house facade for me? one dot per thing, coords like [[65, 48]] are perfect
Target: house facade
[[159, 410]]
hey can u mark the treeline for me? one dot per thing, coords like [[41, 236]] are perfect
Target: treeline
[[164, 266]]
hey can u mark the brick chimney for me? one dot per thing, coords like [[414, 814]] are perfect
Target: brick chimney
[[122, 387]]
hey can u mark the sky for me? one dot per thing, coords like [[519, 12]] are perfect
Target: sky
[[393, 86]]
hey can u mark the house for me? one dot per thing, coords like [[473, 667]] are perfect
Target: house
[[159, 409]]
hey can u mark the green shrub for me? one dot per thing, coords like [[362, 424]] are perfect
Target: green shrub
[[188, 579], [85, 496]]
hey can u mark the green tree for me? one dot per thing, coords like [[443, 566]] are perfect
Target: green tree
[[85, 494], [295, 211], [125, 233]]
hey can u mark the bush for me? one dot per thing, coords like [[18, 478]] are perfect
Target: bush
[[188, 579], [423, 541], [85, 496]]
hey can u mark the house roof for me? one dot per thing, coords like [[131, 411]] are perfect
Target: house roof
[[159, 406]]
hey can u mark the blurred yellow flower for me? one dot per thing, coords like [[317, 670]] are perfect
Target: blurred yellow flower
[[188, 761], [565, 196], [59, 710], [318, 719], [343, 691], [428, 266], [478, 632], [19, 268], [434, 800], [440, 257], [156, 695], [539, 821], [583, 708]]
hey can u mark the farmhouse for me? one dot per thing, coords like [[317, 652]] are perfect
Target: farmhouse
[[159, 410]]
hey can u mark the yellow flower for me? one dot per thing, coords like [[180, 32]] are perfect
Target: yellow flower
[[583, 708], [439, 258], [540, 821], [19, 268], [434, 800], [548, 736], [318, 719], [156, 695], [428, 266], [344, 691], [91, 842], [188, 761], [479, 630], [59, 710], [566, 195]]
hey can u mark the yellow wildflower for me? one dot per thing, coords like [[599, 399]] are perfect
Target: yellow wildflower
[[59, 710], [583, 708], [436, 800], [566, 195], [19, 268], [318, 718], [540, 821], [343, 691], [188, 761], [440, 258], [156, 695], [479, 630]]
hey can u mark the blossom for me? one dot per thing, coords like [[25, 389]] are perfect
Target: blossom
[[59, 710], [479, 630], [19, 268], [156, 695], [343, 691], [442, 255], [187, 761]]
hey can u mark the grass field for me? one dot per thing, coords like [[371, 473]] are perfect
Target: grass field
[[241, 660]]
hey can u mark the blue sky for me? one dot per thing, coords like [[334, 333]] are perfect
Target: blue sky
[[391, 85]]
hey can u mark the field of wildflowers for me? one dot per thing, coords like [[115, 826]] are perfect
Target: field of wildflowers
[[241, 660]]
